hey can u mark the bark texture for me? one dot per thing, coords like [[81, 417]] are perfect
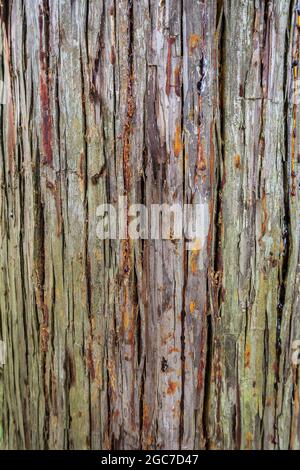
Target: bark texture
[[143, 344]]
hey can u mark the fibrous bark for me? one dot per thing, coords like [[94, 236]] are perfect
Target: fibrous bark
[[123, 344]]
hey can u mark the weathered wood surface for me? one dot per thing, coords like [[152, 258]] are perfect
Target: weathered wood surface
[[123, 344]]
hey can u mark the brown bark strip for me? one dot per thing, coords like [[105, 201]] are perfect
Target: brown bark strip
[[45, 83]]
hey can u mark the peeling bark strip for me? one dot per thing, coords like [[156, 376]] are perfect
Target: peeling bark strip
[[45, 80], [143, 344]]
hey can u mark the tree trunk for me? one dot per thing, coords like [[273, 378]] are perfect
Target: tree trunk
[[143, 344]]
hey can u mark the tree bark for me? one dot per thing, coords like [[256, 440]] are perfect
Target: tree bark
[[142, 344]]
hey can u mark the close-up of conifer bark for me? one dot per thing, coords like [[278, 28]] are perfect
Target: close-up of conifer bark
[[123, 344]]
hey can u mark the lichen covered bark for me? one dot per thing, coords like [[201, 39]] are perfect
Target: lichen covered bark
[[143, 344]]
